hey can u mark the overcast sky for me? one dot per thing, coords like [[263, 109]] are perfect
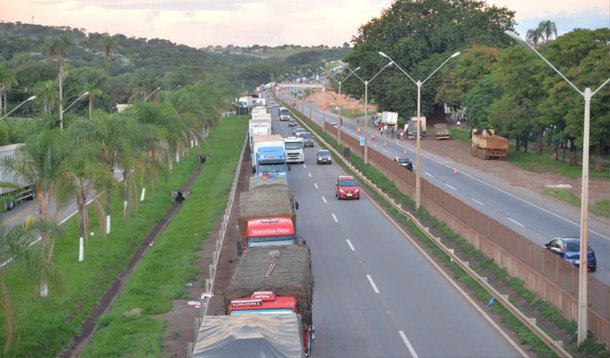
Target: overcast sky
[[199, 23]]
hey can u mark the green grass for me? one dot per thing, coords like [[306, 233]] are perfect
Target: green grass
[[350, 113], [601, 207], [45, 326], [161, 276]]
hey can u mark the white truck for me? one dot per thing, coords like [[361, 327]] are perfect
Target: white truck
[[269, 155], [13, 190], [389, 118], [258, 127], [294, 150]]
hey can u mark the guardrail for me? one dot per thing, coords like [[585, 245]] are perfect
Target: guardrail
[[556, 346]]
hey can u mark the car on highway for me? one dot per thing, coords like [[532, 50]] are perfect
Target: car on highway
[[347, 187], [292, 122], [297, 129], [568, 248], [324, 157], [307, 138], [404, 162]]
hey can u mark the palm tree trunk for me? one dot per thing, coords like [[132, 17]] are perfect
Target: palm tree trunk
[[61, 95], [108, 208], [90, 105], [598, 157], [9, 322]]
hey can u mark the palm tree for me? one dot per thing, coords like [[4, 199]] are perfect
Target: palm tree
[[16, 251], [55, 49], [533, 36], [8, 79], [45, 93], [547, 29], [41, 161], [108, 45]]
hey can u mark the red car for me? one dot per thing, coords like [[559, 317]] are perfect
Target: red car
[[347, 187]]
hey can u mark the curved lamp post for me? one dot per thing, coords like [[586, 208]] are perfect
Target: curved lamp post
[[366, 108], [76, 100], [418, 134], [584, 200], [151, 93], [19, 105]]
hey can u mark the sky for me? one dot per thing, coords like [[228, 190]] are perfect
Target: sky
[[199, 23]]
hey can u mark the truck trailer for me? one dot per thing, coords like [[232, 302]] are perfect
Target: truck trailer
[[267, 215], [269, 155], [274, 281], [14, 189], [488, 145]]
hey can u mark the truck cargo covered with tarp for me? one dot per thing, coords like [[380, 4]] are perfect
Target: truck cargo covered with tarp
[[250, 335], [285, 270]]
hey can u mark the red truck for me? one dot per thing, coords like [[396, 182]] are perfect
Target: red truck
[[267, 215], [274, 281]]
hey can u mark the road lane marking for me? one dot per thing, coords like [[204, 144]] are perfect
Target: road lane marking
[[304, 165], [428, 174], [372, 283], [408, 344], [324, 199], [315, 185], [516, 222], [385, 150], [309, 175], [349, 243], [478, 202], [334, 217], [452, 187]]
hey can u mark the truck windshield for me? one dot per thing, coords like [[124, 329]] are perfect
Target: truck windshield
[[294, 145], [271, 240], [284, 112], [272, 168], [262, 311]]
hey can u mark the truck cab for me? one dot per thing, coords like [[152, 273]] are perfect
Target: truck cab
[[269, 156], [294, 150], [284, 114], [267, 303]]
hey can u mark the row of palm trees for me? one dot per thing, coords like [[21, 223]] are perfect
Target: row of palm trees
[[78, 162], [542, 34]]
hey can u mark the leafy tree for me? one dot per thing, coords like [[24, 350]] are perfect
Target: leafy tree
[[547, 29], [419, 36], [478, 101], [533, 36], [466, 72], [46, 94]]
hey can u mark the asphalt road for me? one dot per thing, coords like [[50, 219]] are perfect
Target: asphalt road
[[530, 214], [375, 294]]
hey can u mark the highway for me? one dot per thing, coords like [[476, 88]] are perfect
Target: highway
[[531, 215], [375, 294]]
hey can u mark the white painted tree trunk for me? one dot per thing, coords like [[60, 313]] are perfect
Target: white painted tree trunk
[[81, 249], [192, 143], [44, 289], [107, 224], [143, 194], [125, 202], [177, 157]]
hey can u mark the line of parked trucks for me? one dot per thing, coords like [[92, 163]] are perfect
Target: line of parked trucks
[[270, 295]]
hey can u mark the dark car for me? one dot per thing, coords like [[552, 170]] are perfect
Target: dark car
[[347, 187], [292, 123], [405, 162], [307, 138], [324, 157], [568, 248]]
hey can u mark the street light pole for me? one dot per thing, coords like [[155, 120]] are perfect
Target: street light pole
[[584, 199], [418, 134], [19, 105], [76, 100], [366, 109], [340, 107], [151, 93]]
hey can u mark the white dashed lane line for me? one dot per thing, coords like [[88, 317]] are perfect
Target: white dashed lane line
[[334, 217], [372, 283], [349, 243], [516, 222]]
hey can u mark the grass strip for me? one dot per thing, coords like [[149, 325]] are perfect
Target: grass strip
[[45, 326], [161, 276]]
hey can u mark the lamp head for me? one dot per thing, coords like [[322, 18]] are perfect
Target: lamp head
[[31, 98], [85, 94], [455, 54], [383, 55], [513, 36]]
